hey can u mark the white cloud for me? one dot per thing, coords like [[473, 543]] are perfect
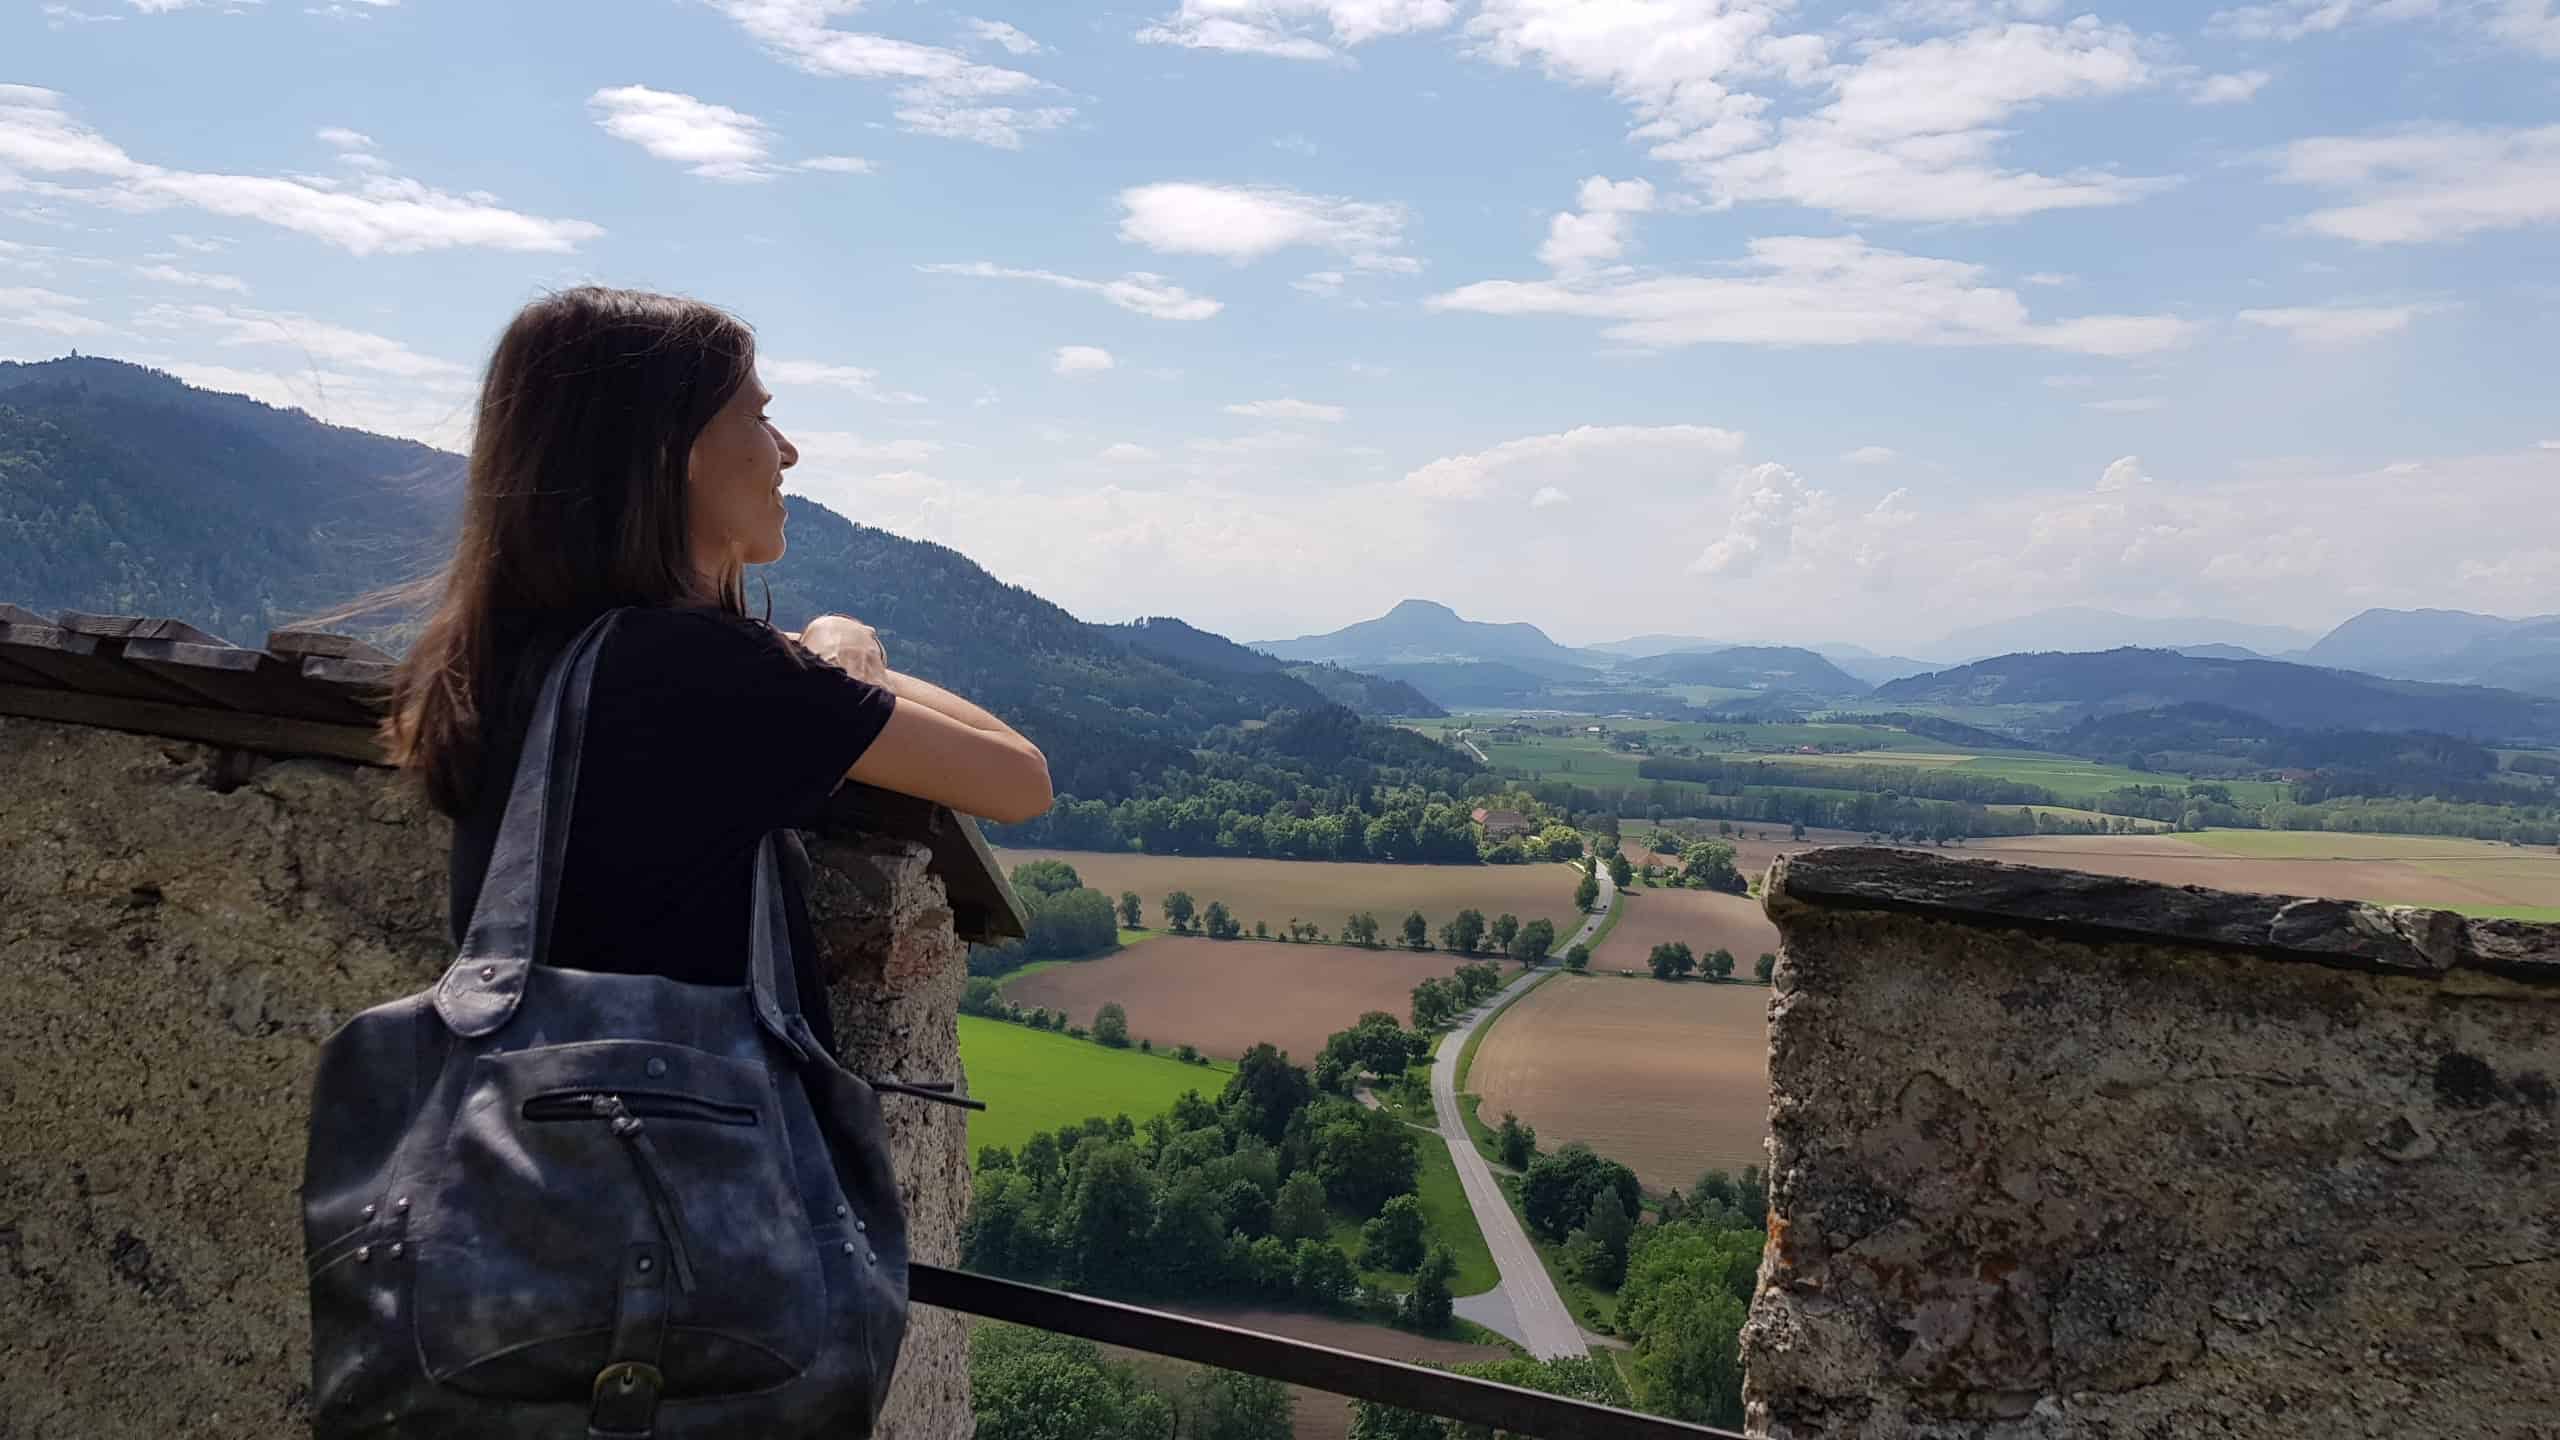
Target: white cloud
[[1911, 128], [2547, 445], [1126, 453], [318, 342], [2529, 25], [1470, 476], [1549, 496], [196, 279], [2295, 19], [338, 137], [862, 382], [1810, 290], [2230, 89], [54, 313], [1872, 455], [1287, 409], [1768, 500], [824, 450], [435, 412], [1327, 283], [997, 32], [2421, 185], [712, 141], [1147, 294], [2126, 405], [1287, 28], [383, 214], [2335, 324], [200, 244], [1080, 360], [939, 92], [2122, 473], [58, 15], [1598, 232], [836, 165], [1247, 222]]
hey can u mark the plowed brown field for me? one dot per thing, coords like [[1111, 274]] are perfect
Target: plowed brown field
[[2391, 869], [1323, 891], [1666, 1077], [1319, 1416], [1700, 919], [1226, 995]]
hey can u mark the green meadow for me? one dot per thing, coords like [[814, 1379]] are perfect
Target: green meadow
[[1035, 1080]]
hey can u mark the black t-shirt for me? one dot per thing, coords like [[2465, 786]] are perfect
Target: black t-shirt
[[705, 731]]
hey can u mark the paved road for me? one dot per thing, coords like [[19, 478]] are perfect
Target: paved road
[[1546, 1327]]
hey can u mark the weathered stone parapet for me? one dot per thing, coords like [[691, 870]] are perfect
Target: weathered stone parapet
[[180, 927], [2065, 1155]]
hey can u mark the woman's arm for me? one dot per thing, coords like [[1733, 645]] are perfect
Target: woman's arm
[[936, 745]]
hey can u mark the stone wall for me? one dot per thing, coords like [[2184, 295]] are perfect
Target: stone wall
[[2062, 1155], [179, 929]]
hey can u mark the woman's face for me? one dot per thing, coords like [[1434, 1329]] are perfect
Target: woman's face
[[733, 484]]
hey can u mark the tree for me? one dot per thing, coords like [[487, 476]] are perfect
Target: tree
[[1393, 1241], [1766, 968], [1111, 1025], [1463, 933], [1620, 870], [1417, 931], [1028, 1384], [1587, 894], [1718, 965], [1557, 1191], [1428, 1306], [1230, 1405], [1322, 1275], [1110, 1212], [1578, 958], [1796, 831], [1505, 926], [1045, 877], [1130, 913], [1475, 980], [1218, 923], [1515, 1142], [1265, 1091], [1364, 1157], [1432, 1004], [1683, 1303], [1371, 1420], [1671, 960], [1602, 1240], [1708, 865], [1177, 911], [1299, 1213], [1530, 943]]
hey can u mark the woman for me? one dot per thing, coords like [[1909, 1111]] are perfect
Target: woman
[[624, 457]]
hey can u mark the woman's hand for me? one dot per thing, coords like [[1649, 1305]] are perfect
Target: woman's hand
[[849, 645]]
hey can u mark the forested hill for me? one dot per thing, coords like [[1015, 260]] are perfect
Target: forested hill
[[1172, 639], [2299, 696], [124, 491]]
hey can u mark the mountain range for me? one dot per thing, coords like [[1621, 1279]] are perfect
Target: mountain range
[[130, 492]]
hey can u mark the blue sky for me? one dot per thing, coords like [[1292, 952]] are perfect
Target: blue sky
[[1727, 317]]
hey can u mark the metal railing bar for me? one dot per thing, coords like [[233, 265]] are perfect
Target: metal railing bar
[[1297, 1362]]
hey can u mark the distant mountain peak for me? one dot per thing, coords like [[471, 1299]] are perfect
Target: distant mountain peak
[[1420, 610]]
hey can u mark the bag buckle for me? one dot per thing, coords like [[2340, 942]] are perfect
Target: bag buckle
[[625, 1401]]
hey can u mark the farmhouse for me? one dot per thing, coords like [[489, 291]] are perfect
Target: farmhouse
[[1502, 824]]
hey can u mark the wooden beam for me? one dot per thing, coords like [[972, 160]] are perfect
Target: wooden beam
[[302, 643], [75, 661], [268, 734], [248, 680], [135, 627]]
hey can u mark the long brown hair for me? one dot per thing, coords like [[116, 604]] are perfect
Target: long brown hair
[[574, 504]]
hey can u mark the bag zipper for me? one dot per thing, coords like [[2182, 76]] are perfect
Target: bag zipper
[[579, 1105], [627, 1127]]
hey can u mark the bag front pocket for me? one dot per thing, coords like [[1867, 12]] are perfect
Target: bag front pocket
[[563, 1157]]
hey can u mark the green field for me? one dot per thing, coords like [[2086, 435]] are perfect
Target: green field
[[1035, 1080]]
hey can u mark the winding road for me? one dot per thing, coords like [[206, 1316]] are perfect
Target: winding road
[[1539, 1319]]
